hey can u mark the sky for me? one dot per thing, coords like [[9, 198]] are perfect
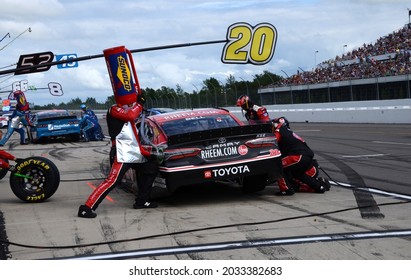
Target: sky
[[308, 32]]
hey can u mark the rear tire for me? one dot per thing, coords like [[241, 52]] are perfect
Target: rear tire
[[39, 181], [255, 183]]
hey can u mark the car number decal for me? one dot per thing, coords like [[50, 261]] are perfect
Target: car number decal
[[249, 44]]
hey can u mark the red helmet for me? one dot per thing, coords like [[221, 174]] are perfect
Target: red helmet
[[279, 122], [244, 102], [22, 104]]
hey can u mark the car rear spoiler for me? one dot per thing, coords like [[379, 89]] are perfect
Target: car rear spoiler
[[219, 132]]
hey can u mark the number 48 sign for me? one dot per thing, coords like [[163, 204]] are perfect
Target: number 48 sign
[[64, 57], [248, 44]]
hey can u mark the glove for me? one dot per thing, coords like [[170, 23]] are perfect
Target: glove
[[141, 99], [12, 169], [159, 154]]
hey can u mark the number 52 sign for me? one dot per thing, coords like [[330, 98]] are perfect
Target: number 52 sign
[[249, 44]]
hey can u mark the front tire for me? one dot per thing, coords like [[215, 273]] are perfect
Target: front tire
[[36, 179]]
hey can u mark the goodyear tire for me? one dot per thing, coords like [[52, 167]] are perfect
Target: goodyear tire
[[3, 171], [252, 184], [36, 179]]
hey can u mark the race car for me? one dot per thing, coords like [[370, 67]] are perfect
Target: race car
[[53, 124], [211, 145], [157, 111]]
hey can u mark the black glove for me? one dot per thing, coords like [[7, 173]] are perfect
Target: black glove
[[158, 153], [12, 169], [141, 99]]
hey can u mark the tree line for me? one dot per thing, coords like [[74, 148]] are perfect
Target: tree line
[[211, 93]]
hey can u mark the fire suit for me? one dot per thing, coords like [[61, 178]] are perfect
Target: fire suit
[[146, 172], [299, 166], [256, 114]]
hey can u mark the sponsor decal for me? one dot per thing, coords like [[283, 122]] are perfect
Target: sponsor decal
[[275, 152], [190, 115], [242, 150], [226, 171], [221, 149], [58, 126], [123, 73], [215, 153], [222, 140]]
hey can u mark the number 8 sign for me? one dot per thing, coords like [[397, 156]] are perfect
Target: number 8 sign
[[248, 44]]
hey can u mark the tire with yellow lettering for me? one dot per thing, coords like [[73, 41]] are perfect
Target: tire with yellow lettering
[[36, 179]]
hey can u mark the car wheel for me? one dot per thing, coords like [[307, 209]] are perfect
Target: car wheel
[[75, 137], [37, 179], [252, 184]]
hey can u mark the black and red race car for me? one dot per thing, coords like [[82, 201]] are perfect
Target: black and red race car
[[210, 145]]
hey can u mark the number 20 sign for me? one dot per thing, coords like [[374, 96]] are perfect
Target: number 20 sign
[[249, 44]]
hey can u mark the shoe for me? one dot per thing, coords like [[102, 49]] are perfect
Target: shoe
[[320, 190], [86, 212], [324, 182], [24, 143], [147, 204], [284, 193]]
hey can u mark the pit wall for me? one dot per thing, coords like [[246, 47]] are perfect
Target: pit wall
[[386, 111]]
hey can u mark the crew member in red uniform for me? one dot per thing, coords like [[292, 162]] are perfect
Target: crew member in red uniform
[[5, 155], [299, 166], [253, 113], [146, 172]]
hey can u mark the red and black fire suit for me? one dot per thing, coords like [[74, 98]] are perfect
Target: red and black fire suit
[[145, 172], [299, 166], [256, 114]]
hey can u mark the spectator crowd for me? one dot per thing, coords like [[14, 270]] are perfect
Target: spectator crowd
[[388, 56]]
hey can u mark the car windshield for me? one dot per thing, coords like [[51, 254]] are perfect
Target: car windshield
[[52, 114], [186, 125]]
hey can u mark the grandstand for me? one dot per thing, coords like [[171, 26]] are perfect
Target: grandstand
[[379, 71]]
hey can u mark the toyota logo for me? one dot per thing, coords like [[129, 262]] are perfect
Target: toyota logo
[[222, 140]]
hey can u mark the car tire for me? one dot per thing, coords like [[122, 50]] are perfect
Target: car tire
[[75, 137], [252, 184], [39, 179]]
